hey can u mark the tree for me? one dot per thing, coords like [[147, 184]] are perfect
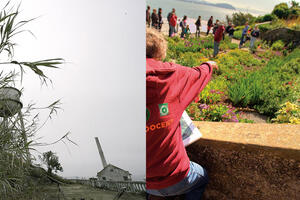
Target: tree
[[50, 159], [281, 11], [240, 18]]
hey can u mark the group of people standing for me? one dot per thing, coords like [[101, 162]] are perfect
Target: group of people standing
[[173, 25], [218, 28], [249, 34], [155, 18]]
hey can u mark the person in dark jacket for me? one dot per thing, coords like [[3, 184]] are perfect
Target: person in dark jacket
[[148, 18], [154, 19], [170, 88], [160, 20], [215, 26], [209, 24], [230, 30], [254, 36], [198, 26]]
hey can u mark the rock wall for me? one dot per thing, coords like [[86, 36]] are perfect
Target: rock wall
[[284, 34], [249, 161]]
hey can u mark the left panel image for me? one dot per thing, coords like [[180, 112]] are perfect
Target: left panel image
[[72, 99]]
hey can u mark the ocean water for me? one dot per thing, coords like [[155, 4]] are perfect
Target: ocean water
[[191, 10]]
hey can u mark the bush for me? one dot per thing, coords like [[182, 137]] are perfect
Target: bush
[[240, 18], [237, 34], [288, 113], [246, 91], [265, 18], [281, 11], [265, 27], [278, 45], [204, 112], [269, 17], [214, 91], [294, 12]]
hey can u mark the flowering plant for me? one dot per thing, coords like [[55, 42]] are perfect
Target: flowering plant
[[214, 92], [288, 113], [204, 112]]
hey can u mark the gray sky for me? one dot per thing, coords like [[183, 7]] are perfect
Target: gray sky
[[102, 85]]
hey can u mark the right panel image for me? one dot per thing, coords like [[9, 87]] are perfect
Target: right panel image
[[222, 100]]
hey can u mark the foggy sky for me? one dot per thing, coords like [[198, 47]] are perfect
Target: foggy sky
[[101, 85]]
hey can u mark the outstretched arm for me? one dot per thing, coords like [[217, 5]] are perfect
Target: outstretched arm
[[193, 80]]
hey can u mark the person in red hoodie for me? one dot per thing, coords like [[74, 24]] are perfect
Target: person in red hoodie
[[218, 37], [170, 88]]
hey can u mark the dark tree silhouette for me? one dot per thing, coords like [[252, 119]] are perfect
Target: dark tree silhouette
[[50, 159]]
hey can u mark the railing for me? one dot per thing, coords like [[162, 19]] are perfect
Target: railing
[[131, 186]]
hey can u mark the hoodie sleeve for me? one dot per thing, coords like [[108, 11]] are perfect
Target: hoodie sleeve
[[191, 82]]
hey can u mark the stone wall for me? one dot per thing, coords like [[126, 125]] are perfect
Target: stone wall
[[285, 34], [249, 161]]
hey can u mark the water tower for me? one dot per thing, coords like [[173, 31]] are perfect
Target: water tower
[[10, 105]]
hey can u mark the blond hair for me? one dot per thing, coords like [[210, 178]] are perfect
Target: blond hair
[[156, 45]]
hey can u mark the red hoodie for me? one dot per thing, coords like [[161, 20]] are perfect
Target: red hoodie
[[170, 89], [219, 33]]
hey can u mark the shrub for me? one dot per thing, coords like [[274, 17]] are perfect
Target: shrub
[[265, 27], [269, 17], [288, 113], [237, 34], [265, 18], [281, 10], [214, 91], [241, 18], [246, 91], [278, 45], [204, 112], [294, 12]]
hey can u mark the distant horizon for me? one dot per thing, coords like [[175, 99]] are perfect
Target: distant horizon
[[265, 7]]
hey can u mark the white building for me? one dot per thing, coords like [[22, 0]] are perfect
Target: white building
[[109, 171], [113, 173]]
